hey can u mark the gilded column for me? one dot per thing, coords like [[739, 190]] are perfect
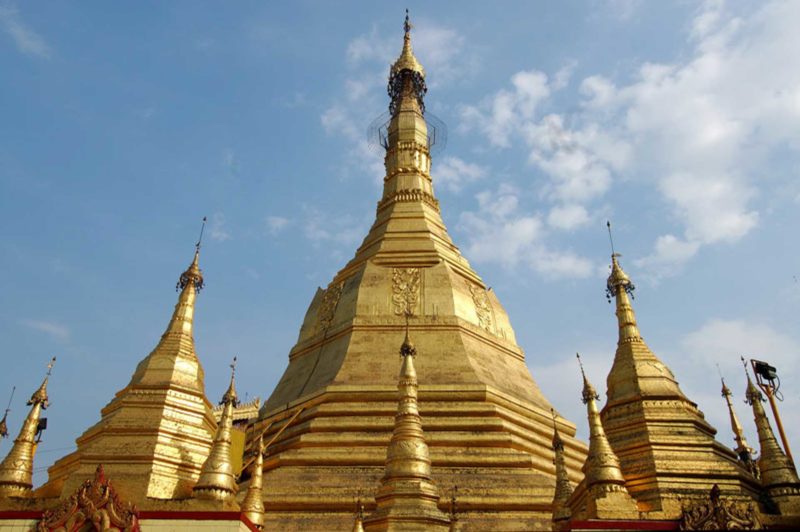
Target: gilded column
[[217, 480], [253, 503], [407, 498], [605, 494], [16, 470], [743, 450]]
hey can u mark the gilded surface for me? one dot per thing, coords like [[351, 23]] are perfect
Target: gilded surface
[[94, 506]]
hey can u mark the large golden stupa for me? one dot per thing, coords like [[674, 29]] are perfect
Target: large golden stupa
[[452, 435]]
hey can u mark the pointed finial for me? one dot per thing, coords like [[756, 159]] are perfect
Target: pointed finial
[[407, 348], [558, 443], [358, 524], [230, 395], [40, 395], [407, 24], [193, 275], [4, 421], [753, 394], [589, 393], [725, 390], [617, 277]]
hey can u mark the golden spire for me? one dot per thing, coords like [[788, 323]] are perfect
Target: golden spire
[[407, 59], [407, 495], [603, 480], [743, 450], [217, 480], [358, 524], [178, 339], [16, 470], [778, 475], [619, 286], [407, 158], [253, 503], [563, 489], [4, 421]]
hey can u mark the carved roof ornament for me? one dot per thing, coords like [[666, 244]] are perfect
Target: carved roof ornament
[[96, 506], [719, 514]]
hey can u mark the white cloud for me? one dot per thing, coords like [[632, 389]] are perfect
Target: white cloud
[[217, 230], [501, 114], [56, 330], [230, 162], [453, 173], [669, 255], [320, 227], [698, 130], [500, 232], [276, 224], [27, 40], [341, 121], [567, 217]]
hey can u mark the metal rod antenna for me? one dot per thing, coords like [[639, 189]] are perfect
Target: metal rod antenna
[[610, 238], [8, 407], [202, 228]]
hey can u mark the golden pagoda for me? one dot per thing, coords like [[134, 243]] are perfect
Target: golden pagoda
[[487, 423], [661, 438], [154, 436], [341, 423]]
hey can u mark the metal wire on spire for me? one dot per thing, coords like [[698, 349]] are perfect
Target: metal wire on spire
[[610, 238], [200, 238]]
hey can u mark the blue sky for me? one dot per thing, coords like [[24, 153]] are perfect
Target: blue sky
[[124, 124]]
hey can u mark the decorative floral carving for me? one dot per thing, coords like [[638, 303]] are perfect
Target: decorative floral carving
[[329, 302], [717, 514], [405, 290], [95, 506], [482, 307]]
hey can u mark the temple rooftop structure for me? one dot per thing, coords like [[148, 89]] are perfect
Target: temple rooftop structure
[[342, 431]]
